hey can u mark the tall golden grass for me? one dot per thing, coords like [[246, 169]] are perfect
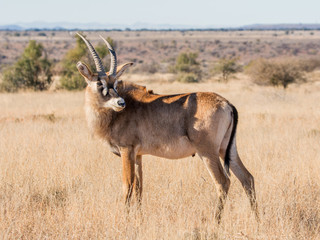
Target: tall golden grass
[[59, 182]]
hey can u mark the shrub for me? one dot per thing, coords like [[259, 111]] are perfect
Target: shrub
[[187, 67], [31, 71], [187, 78], [309, 64], [226, 67], [187, 62], [73, 82], [275, 72]]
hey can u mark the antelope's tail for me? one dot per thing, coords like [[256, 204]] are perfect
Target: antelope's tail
[[227, 158]]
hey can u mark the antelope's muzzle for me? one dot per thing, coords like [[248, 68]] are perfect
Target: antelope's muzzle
[[121, 103]]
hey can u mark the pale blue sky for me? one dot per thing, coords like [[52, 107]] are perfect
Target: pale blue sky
[[197, 13]]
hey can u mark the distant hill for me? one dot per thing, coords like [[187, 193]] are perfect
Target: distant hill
[[11, 28], [145, 26], [91, 26], [299, 26]]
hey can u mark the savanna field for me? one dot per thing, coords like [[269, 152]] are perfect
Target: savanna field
[[57, 181]]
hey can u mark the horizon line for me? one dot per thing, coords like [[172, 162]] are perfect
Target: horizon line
[[72, 26]]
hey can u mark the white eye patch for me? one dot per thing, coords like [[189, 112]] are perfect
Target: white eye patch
[[115, 85], [105, 92]]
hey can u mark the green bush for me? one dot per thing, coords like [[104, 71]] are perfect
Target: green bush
[[226, 67], [187, 78], [279, 72], [31, 71], [187, 67], [74, 82]]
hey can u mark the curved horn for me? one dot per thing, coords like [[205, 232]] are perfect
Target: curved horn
[[113, 57], [96, 58]]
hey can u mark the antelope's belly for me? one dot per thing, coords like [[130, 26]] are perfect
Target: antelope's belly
[[179, 148]]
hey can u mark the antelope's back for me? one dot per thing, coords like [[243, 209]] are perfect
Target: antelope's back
[[168, 125]]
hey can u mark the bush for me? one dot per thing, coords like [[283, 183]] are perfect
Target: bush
[[71, 79], [275, 72], [309, 65], [31, 71], [226, 67], [74, 82], [187, 78], [187, 67]]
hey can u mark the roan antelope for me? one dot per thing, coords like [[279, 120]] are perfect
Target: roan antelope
[[136, 122]]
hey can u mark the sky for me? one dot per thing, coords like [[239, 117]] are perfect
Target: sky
[[224, 13]]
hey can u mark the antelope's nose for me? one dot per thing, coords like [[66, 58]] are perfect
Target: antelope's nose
[[121, 103]]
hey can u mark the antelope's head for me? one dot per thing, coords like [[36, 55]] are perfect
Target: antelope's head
[[102, 84]]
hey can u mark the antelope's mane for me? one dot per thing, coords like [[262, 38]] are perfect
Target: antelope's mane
[[129, 87]]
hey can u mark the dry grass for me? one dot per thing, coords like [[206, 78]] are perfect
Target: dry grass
[[59, 182]]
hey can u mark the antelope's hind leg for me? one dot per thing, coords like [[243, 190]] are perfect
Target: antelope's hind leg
[[222, 182], [247, 182], [244, 176]]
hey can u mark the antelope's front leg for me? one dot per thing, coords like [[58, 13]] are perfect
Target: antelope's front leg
[[138, 179], [128, 160]]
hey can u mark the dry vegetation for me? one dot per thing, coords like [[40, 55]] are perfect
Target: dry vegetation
[[59, 182], [161, 48]]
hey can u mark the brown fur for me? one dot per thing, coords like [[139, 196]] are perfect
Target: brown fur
[[169, 126]]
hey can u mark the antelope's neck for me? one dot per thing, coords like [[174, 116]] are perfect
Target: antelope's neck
[[98, 119]]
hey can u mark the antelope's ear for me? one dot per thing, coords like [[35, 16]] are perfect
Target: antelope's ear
[[122, 68], [85, 71]]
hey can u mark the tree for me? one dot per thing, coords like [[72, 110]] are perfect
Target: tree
[[227, 67], [31, 71], [71, 78]]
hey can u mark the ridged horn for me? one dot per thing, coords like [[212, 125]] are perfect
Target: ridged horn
[[96, 58], [113, 57]]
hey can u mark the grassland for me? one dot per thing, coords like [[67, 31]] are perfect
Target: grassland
[[59, 182]]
